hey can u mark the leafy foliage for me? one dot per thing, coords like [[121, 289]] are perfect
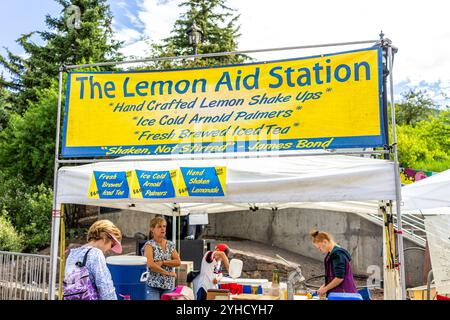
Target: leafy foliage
[[426, 145], [27, 145], [217, 23], [416, 106], [39, 66], [29, 209], [5, 108], [10, 240], [28, 104]]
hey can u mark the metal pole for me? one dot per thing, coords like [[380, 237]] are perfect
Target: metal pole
[[55, 212], [174, 229], [384, 47], [225, 156], [219, 54], [174, 224], [429, 279], [401, 256], [179, 232]]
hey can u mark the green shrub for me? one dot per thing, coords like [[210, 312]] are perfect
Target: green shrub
[[10, 240], [425, 146], [29, 209]]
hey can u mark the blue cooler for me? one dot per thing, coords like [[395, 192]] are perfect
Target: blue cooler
[[126, 272], [344, 296]]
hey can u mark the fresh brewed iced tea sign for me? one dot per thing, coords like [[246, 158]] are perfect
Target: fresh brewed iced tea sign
[[328, 101]]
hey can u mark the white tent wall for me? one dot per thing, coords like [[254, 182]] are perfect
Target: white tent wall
[[429, 193]]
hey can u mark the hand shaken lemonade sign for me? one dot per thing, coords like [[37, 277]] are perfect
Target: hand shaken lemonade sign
[[327, 101], [110, 185], [202, 182]]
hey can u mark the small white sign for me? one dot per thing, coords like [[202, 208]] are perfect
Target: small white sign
[[198, 218]]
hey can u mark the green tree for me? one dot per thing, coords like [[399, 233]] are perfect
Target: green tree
[[27, 145], [416, 106], [5, 107], [29, 209], [220, 34], [64, 44], [425, 146], [10, 240]]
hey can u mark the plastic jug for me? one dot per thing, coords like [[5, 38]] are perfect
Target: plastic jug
[[283, 291], [235, 268]]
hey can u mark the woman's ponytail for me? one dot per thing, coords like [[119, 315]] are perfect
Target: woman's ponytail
[[320, 236]]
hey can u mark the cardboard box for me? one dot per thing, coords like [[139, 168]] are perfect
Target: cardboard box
[[218, 294], [182, 272], [186, 266]]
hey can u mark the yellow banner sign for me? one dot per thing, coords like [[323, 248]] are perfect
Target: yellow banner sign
[[328, 101]]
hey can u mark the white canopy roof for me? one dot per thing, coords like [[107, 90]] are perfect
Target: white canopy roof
[[262, 181], [429, 193]]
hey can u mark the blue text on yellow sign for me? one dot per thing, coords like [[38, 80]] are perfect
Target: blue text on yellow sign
[[322, 102]]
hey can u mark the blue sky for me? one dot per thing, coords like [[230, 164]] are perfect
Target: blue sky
[[420, 30], [23, 16]]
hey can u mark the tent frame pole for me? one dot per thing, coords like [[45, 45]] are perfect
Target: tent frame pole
[[218, 54], [399, 231], [174, 228], [226, 156], [56, 214]]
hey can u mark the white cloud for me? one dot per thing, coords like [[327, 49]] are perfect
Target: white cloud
[[155, 18], [127, 35], [419, 29], [121, 4], [158, 17]]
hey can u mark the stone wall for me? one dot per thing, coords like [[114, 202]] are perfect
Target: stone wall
[[289, 229]]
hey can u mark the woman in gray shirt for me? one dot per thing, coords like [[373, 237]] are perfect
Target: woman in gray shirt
[[162, 258]]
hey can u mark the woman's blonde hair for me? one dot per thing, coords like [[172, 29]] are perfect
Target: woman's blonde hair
[[320, 236], [153, 223], [100, 230]]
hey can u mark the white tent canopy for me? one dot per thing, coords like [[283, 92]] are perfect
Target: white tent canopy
[[429, 193], [262, 181]]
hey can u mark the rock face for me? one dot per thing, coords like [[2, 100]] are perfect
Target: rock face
[[256, 266], [260, 260]]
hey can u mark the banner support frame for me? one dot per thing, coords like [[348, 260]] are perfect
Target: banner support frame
[[56, 217], [401, 255], [217, 54], [58, 161]]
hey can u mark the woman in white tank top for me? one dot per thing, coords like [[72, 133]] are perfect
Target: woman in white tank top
[[210, 275]]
